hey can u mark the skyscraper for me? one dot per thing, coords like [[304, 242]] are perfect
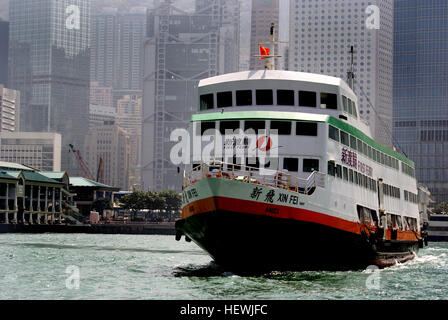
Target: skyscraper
[[104, 57], [49, 63], [117, 50], [110, 143], [321, 34], [4, 40], [421, 89], [181, 48], [129, 117], [264, 12]]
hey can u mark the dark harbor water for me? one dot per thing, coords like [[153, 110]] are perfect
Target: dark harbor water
[[46, 266]]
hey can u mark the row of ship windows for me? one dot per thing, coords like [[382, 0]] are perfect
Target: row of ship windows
[[394, 222], [265, 97], [283, 127], [373, 154], [289, 164], [352, 176], [362, 180]]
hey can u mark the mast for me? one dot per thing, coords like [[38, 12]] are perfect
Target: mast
[[351, 73], [270, 58]]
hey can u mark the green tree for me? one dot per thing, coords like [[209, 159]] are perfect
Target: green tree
[[442, 207], [173, 201], [154, 201], [135, 201], [102, 204]]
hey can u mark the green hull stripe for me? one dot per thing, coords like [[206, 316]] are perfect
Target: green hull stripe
[[299, 116]]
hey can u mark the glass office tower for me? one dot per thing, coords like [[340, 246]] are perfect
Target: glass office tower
[[420, 110], [49, 61]]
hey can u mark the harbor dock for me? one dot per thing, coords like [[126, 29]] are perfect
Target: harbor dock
[[128, 228]]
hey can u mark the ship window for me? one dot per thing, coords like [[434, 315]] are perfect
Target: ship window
[[236, 161], [344, 103], [345, 172], [310, 165], [370, 152], [306, 128], [374, 154], [224, 99], [338, 171], [356, 177], [244, 97], [291, 164], [328, 100], [353, 143], [350, 175], [255, 125], [331, 168], [350, 106], [282, 127], [264, 97], [307, 99], [253, 163], [285, 97], [207, 125], [354, 111], [228, 125], [344, 138], [206, 101], [333, 133], [364, 148]]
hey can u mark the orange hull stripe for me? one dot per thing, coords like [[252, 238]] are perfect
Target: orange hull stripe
[[283, 212], [272, 210]]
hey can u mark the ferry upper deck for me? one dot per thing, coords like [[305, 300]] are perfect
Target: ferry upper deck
[[279, 90]]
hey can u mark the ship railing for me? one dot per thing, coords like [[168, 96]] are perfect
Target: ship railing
[[251, 174]]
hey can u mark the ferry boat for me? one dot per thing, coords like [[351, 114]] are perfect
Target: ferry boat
[[337, 200]]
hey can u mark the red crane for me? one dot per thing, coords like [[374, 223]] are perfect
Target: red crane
[[85, 170]]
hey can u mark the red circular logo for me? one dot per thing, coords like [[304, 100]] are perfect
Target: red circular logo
[[264, 143]]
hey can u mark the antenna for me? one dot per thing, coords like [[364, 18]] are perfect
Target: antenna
[[264, 52], [351, 73]]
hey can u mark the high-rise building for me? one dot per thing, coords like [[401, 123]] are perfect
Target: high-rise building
[[132, 33], [110, 143], [101, 96], [321, 35], [421, 89], [104, 57], [129, 118], [98, 115], [264, 12], [49, 61], [180, 49], [40, 150], [4, 49], [9, 109], [117, 50]]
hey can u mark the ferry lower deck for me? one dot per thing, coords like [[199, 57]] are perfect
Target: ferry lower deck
[[243, 230]]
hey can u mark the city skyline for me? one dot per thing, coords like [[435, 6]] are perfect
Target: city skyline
[[112, 36]]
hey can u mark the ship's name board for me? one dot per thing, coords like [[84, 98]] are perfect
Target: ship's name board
[[189, 195], [350, 158]]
